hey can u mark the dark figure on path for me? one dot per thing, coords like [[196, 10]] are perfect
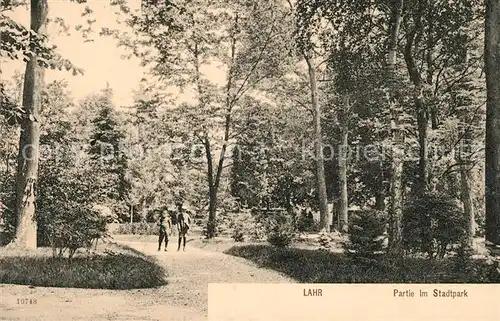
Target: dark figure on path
[[165, 226], [183, 222]]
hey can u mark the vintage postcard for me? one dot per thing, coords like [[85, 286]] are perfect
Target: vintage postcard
[[250, 160]]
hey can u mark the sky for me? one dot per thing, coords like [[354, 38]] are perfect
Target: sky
[[100, 59]]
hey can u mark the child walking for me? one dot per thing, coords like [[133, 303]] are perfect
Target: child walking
[[183, 223], [165, 226]]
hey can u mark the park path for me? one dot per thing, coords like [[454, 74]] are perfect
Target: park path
[[190, 273], [184, 298]]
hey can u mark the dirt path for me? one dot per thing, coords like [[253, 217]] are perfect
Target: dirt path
[[192, 271], [183, 299]]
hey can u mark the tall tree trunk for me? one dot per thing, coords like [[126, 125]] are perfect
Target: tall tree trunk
[[466, 196], [212, 214], [344, 205], [380, 191], [28, 155], [343, 218], [492, 166], [212, 191], [214, 174], [423, 140], [325, 219], [396, 193], [466, 165], [411, 49]]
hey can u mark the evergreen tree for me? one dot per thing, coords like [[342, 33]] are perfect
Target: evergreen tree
[[106, 153]]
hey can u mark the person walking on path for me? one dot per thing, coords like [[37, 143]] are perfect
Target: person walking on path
[[164, 225], [183, 224]]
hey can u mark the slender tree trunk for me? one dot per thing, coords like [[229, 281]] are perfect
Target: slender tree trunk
[[325, 219], [343, 218], [212, 191], [213, 178], [466, 197], [344, 205], [413, 41], [492, 166], [423, 140], [466, 166], [380, 195], [212, 214], [28, 155], [214, 175], [380, 191], [396, 193], [422, 119]]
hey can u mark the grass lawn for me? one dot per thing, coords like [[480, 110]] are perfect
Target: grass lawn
[[315, 266], [111, 266]]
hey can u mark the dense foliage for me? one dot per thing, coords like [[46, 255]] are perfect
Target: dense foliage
[[367, 236], [434, 224]]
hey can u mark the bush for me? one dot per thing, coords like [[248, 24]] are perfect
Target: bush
[[306, 222], [238, 234], [279, 229], [244, 224], [258, 232], [74, 229], [475, 270], [366, 238], [432, 224]]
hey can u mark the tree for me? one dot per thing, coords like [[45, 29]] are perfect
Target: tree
[[18, 42], [66, 213], [309, 51], [268, 171], [245, 39], [492, 173], [107, 154], [396, 189], [325, 220], [29, 142]]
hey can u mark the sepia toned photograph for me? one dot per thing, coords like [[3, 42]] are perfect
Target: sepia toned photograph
[[158, 155]]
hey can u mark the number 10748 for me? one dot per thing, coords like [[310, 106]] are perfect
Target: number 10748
[[26, 301]]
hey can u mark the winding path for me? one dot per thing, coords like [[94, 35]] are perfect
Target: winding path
[[183, 299]]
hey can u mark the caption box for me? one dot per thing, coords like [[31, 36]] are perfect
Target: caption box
[[353, 302]]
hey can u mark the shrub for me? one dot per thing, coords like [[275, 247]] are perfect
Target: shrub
[[244, 224], [238, 234], [432, 224], [366, 238], [74, 229], [279, 229], [258, 232], [306, 222], [475, 270]]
